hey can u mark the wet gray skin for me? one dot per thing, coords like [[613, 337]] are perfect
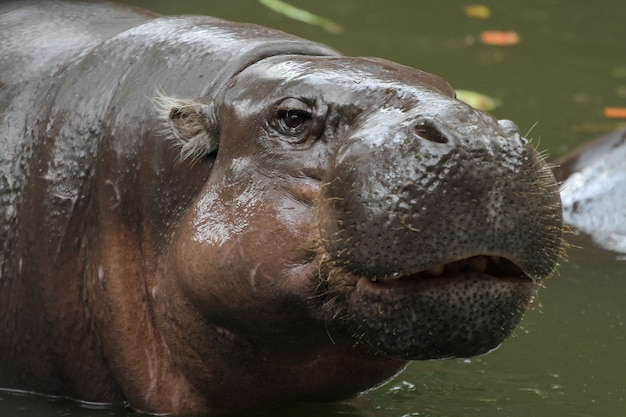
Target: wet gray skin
[[593, 183]]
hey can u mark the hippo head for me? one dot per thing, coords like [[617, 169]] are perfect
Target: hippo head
[[355, 206]]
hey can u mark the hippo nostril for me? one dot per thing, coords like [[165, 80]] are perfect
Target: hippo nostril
[[426, 130]]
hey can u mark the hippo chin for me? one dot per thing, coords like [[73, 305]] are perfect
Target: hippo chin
[[200, 215]]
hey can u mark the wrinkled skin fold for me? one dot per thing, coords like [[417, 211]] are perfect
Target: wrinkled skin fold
[[202, 215]]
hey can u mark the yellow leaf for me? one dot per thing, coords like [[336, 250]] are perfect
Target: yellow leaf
[[302, 15], [477, 100], [477, 11]]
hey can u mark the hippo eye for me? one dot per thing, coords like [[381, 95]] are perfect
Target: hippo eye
[[293, 117]]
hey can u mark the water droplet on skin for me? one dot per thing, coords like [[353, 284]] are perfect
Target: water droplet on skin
[[9, 213]]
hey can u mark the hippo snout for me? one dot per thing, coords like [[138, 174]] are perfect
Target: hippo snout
[[405, 200], [442, 223]]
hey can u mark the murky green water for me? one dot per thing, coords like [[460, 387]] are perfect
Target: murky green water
[[568, 358]]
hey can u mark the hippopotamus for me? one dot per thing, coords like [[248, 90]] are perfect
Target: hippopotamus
[[593, 180], [199, 215]]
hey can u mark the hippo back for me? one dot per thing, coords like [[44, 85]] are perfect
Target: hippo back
[[594, 180], [28, 72], [90, 86]]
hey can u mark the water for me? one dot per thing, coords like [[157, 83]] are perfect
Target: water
[[568, 358]]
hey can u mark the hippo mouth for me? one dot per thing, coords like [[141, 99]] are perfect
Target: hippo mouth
[[491, 266], [462, 308]]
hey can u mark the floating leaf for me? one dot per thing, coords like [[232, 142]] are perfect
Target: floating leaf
[[499, 38], [615, 112], [477, 100], [477, 11], [302, 15]]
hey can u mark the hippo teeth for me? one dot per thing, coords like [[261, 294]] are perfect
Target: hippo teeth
[[482, 264], [473, 264]]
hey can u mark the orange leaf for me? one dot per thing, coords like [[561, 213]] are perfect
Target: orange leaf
[[499, 38], [615, 112]]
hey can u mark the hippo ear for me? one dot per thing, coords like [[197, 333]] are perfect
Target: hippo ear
[[191, 125]]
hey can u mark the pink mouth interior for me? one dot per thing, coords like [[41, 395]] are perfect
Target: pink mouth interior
[[494, 266]]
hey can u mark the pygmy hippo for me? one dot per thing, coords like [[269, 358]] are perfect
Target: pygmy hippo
[[593, 190], [199, 215]]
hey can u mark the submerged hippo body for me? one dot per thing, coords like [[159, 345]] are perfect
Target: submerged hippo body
[[593, 190], [288, 225]]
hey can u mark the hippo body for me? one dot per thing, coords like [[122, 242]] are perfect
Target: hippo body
[[200, 215], [593, 183]]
